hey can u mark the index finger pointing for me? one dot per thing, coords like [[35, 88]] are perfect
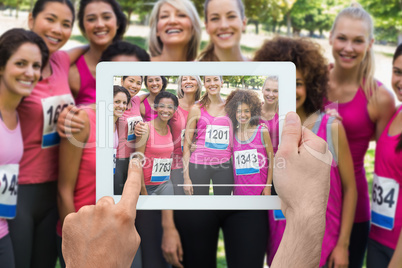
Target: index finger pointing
[[132, 187]]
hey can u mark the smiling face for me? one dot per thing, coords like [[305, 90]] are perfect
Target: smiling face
[[224, 23], [53, 24], [270, 92], [119, 104], [301, 93], [213, 84], [132, 84], [100, 23], [22, 70], [350, 42], [174, 26], [154, 84], [243, 114], [165, 109], [397, 77], [189, 84]]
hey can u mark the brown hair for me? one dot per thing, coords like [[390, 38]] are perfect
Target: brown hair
[[309, 60], [246, 96]]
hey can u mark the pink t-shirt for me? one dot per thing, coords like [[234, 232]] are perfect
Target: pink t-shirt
[[42, 107], [214, 140], [125, 129], [178, 126], [11, 151], [386, 224], [157, 147], [85, 187], [359, 131], [250, 164], [87, 92], [273, 128]]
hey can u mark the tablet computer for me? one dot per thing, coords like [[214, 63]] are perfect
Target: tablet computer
[[249, 75]]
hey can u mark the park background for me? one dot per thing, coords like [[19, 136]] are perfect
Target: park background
[[266, 18]]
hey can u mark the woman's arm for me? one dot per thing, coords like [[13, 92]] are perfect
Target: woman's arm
[[74, 80], [140, 144], [69, 164], [396, 260], [171, 243], [76, 52], [270, 154], [340, 256], [381, 107], [192, 119]]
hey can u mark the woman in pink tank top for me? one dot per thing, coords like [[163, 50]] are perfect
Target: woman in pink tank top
[[23, 54], [363, 103], [154, 84], [311, 84], [269, 109], [101, 22], [385, 239]]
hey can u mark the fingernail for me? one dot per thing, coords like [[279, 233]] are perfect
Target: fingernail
[[291, 118]]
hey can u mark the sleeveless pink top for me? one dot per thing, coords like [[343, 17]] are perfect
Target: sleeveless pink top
[[39, 165], [388, 164], [157, 146], [359, 131], [87, 92], [334, 208], [249, 176], [85, 187], [11, 151], [150, 114], [178, 125], [130, 116], [214, 140], [273, 128]]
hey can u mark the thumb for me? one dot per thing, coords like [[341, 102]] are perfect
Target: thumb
[[291, 135]]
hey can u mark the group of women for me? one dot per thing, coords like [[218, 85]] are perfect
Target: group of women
[[55, 173]]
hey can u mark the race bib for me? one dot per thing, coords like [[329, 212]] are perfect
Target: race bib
[[131, 123], [52, 107], [384, 199], [8, 190], [114, 160], [217, 137], [246, 162], [161, 169], [183, 132], [278, 215]]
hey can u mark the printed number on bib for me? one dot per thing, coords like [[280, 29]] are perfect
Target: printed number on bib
[[217, 137], [52, 108], [384, 199], [161, 169], [8, 190], [183, 132], [132, 122], [114, 160], [246, 162]]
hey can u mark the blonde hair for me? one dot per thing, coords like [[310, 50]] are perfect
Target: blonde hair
[[367, 66], [155, 44], [270, 78], [208, 53], [180, 92]]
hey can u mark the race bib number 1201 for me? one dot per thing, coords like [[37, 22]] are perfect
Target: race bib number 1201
[[8, 190], [52, 108], [384, 199], [217, 137]]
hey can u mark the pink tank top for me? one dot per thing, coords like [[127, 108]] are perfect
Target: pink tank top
[[125, 129], [334, 208], [178, 126], [150, 114], [359, 131], [87, 92], [158, 148], [273, 128], [39, 165], [250, 164], [386, 223], [11, 151], [214, 140], [85, 187]]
